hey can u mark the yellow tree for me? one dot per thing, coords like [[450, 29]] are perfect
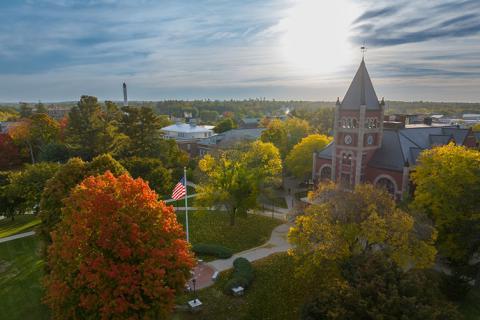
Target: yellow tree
[[447, 183], [343, 223], [299, 160], [236, 177]]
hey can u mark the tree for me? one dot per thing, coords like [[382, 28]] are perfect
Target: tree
[[10, 158], [10, 203], [28, 185], [40, 108], [25, 110], [92, 130], [234, 178], [373, 287], [119, 253], [209, 116], [342, 223], [297, 129], [299, 160], [476, 127], [152, 171], [142, 126], [447, 181], [224, 125], [55, 152], [276, 133], [35, 133], [60, 185]]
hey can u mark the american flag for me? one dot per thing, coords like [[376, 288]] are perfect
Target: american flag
[[179, 191]]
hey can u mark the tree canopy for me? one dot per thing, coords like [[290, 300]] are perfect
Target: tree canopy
[[234, 178], [343, 223], [118, 253], [285, 134], [299, 160], [447, 181]]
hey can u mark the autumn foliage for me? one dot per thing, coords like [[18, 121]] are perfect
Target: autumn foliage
[[118, 253]]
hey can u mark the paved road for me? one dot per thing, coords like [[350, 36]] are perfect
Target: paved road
[[17, 236]]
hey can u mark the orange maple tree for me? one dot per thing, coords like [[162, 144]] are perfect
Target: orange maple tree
[[118, 253]]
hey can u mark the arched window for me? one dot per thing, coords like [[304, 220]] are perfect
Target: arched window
[[387, 184], [326, 173], [354, 123]]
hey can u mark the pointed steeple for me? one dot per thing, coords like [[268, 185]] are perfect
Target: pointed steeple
[[361, 91]]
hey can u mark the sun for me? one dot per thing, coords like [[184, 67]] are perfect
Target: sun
[[316, 35]]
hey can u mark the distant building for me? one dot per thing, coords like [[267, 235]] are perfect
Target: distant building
[[57, 113], [187, 135], [249, 123], [369, 148], [227, 139]]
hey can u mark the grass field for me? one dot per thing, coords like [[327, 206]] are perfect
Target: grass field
[[22, 223], [274, 294], [20, 272], [213, 227]]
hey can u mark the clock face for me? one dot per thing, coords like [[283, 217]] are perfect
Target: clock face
[[348, 139], [370, 139]]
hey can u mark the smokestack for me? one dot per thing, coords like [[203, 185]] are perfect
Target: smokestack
[[125, 100]]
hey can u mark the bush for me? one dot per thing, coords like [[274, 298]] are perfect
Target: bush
[[242, 275], [212, 250]]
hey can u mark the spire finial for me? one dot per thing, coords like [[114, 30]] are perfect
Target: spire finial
[[363, 49]]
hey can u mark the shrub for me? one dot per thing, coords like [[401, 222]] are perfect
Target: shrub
[[212, 250], [242, 275]]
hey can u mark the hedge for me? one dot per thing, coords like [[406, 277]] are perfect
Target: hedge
[[242, 275], [212, 250]]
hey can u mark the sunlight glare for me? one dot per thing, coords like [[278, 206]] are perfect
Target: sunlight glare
[[316, 38]]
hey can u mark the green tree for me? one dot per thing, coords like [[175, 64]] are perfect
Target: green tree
[[142, 127], [276, 133], [10, 203], [224, 125], [60, 185], [297, 129], [373, 287], [447, 180], [299, 160], [29, 183], [25, 110], [151, 170], [208, 116], [40, 108], [92, 130], [343, 223], [234, 178]]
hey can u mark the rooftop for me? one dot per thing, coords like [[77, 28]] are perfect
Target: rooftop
[[187, 128], [361, 91]]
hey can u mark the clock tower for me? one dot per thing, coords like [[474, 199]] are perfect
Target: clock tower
[[358, 129]]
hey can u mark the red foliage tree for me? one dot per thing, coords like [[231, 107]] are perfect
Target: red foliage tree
[[118, 253], [10, 154]]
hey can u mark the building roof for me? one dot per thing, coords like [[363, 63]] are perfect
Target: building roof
[[401, 146], [251, 120], [187, 128], [361, 92], [232, 136]]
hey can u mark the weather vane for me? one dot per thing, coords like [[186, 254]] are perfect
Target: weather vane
[[363, 49]]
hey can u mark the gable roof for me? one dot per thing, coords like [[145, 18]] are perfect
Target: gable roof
[[361, 92]]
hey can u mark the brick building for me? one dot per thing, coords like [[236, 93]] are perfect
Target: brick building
[[368, 148]]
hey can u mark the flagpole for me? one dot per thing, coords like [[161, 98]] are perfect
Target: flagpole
[[186, 201]]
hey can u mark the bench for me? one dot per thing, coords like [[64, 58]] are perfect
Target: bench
[[215, 276], [238, 291]]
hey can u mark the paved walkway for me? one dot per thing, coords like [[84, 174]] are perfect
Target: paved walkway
[[17, 236], [277, 243]]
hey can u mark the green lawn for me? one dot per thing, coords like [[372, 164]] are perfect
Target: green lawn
[[22, 223], [213, 227], [274, 294], [20, 272]]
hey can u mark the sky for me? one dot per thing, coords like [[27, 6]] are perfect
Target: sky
[[58, 50]]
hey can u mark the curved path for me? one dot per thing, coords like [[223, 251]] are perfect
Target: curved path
[[277, 243], [17, 236]]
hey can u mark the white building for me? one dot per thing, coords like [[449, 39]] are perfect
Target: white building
[[187, 135]]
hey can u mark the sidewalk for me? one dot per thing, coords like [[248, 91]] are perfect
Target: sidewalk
[[17, 236]]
